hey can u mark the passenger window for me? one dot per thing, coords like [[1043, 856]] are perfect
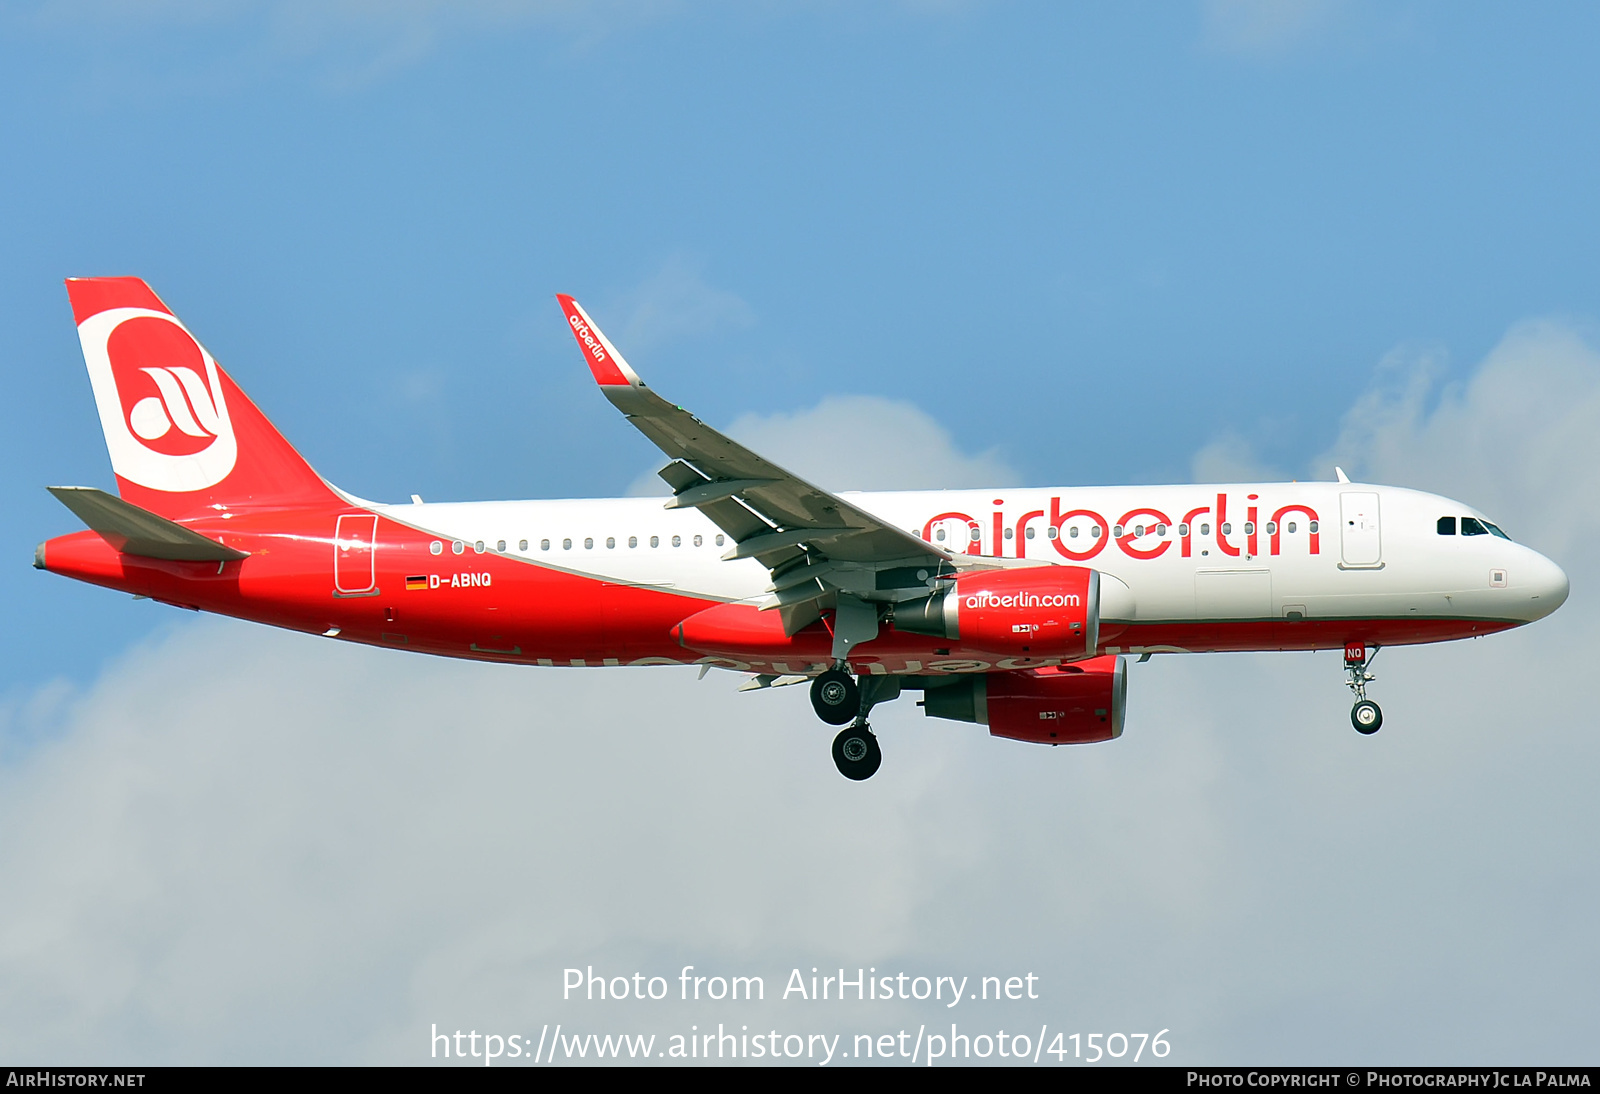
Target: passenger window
[[1161, 529], [457, 546], [1183, 529], [522, 545], [588, 543], [1029, 532], [1008, 533], [719, 540], [500, 546], [1094, 533], [478, 547], [677, 541], [611, 542], [1205, 529], [655, 541], [1051, 532], [1272, 527], [1313, 527], [976, 535], [566, 545], [1471, 527], [633, 541], [435, 547], [544, 545], [1249, 527], [698, 540], [938, 534], [1072, 533], [1291, 526], [1447, 526]]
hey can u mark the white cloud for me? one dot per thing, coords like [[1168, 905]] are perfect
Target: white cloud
[[1230, 458], [865, 442], [1520, 439], [243, 845], [346, 42], [1264, 26], [861, 442], [674, 302]]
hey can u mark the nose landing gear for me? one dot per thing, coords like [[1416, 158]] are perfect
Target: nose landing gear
[[1366, 716]]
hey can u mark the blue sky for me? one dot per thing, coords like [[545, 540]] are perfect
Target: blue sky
[[1090, 243]]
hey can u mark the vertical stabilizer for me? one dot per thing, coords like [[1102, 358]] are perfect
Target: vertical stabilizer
[[182, 435]]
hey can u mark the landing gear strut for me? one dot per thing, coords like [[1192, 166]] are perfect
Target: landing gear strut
[[1365, 715]]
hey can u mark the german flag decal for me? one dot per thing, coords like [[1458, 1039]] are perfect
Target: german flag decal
[[415, 583]]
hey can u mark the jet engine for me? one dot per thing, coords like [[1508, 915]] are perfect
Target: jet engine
[[1037, 611], [1068, 704]]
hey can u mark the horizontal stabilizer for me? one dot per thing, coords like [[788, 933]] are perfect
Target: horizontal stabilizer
[[136, 531]]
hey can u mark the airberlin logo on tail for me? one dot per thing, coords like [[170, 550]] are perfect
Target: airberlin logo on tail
[[160, 400]]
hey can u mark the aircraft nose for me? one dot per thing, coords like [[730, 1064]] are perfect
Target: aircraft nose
[[1547, 586]]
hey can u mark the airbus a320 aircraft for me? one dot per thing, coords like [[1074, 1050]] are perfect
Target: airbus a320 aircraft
[[1014, 609]]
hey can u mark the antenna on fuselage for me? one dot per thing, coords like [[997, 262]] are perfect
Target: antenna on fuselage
[[1339, 471]]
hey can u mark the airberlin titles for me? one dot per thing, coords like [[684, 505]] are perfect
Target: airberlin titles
[[1133, 531]]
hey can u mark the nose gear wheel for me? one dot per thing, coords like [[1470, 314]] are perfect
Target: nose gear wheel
[[1366, 717]]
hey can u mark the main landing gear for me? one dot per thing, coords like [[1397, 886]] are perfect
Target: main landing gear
[[835, 697], [1365, 715], [839, 699], [856, 752]]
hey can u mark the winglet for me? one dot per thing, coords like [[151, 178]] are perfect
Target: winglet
[[609, 369]]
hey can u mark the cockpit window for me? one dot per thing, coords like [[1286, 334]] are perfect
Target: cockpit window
[[1470, 526], [1447, 526], [1494, 530]]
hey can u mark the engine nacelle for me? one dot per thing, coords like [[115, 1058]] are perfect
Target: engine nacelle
[[1070, 704], [1037, 611]]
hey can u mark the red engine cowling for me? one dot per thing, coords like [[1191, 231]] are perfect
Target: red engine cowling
[[1070, 704], [1038, 611]]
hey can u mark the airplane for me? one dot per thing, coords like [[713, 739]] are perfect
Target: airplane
[[1015, 609]]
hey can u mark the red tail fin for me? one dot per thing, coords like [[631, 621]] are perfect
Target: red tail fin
[[181, 433]]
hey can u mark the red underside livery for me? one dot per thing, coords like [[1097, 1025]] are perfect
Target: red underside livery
[[1012, 609]]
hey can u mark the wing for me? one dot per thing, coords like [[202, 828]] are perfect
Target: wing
[[815, 544]]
